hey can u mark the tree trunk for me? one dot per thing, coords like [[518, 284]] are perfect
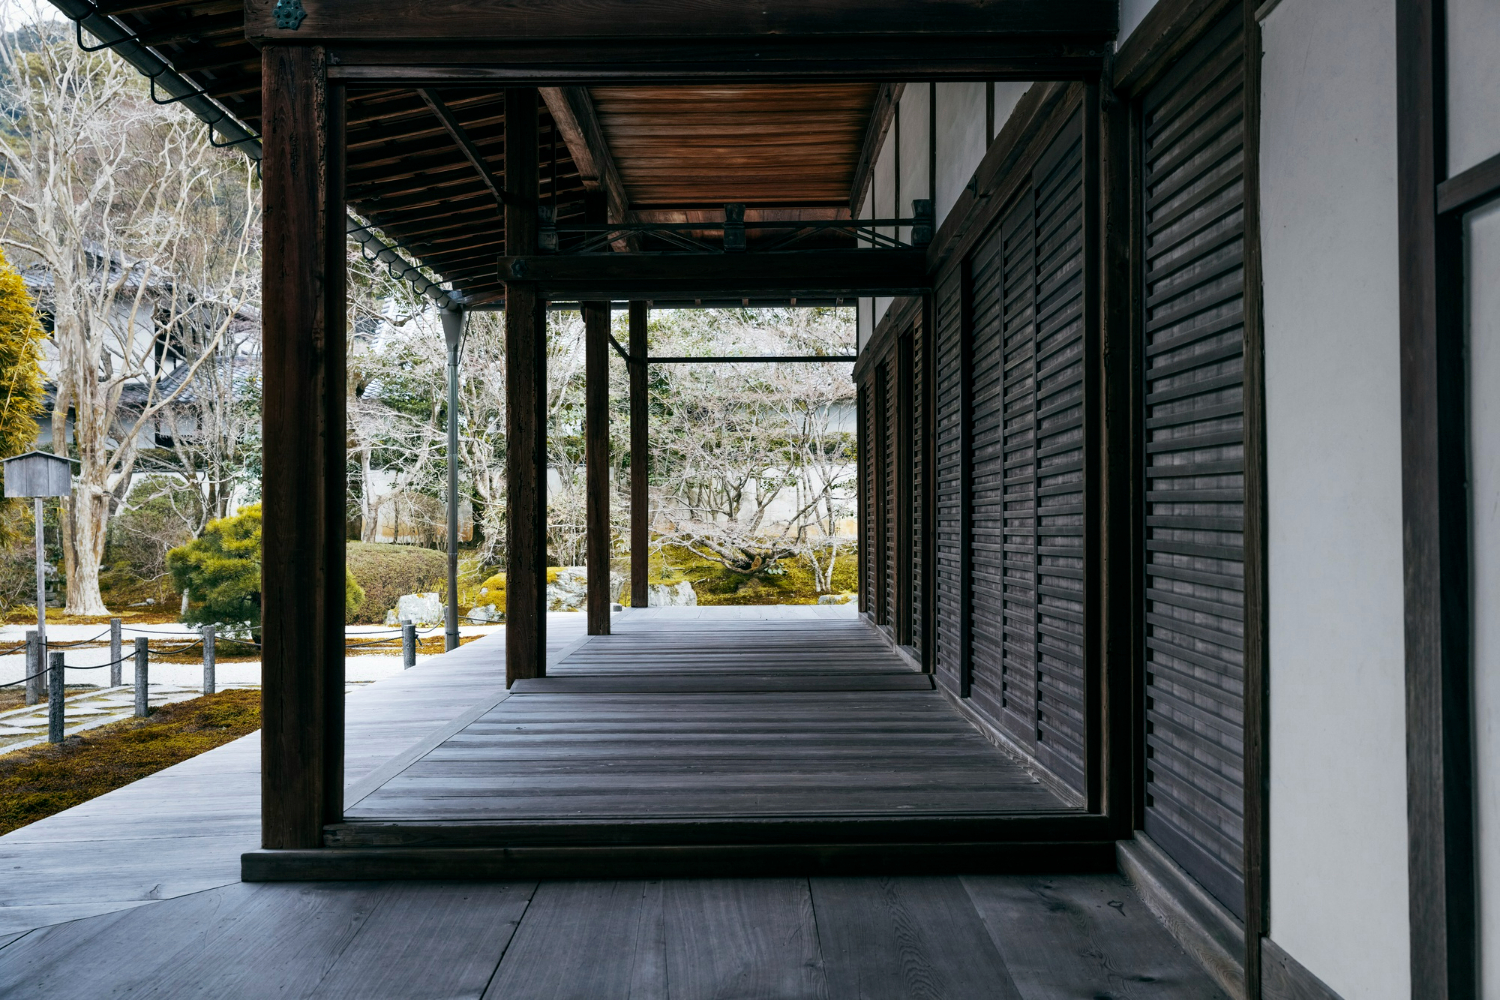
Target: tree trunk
[[89, 517]]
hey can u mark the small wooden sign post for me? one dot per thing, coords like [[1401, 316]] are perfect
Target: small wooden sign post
[[38, 474]]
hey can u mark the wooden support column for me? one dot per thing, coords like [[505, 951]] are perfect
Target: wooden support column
[[640, 460], [596, 461], [302, 487], [525, 405]]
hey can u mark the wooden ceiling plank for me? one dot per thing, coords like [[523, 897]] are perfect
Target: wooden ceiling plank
[[573, 110]]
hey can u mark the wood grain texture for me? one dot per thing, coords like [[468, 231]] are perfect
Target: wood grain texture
[[599, 540], [891, 938], [1434, 512], [589, 21], [577, 119], [525, 406], [1285, 978], [1084, 936], [303, 427]]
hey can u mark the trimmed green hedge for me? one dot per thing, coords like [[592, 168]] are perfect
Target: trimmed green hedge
[[387, 571]]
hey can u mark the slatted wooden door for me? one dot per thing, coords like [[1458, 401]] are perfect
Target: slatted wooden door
[[1194, 568], [948, 574], [1027, 668]]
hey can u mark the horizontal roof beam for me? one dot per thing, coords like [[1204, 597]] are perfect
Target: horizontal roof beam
[[803, 274], [591, 22]]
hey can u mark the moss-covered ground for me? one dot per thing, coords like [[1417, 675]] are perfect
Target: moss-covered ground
[[40, 781]]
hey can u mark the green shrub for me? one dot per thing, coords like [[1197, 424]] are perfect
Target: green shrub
[[387, 571], [220, 570], [354, 594]]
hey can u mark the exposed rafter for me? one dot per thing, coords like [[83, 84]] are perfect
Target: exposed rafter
[[572, 108], [471, 152], [887, 100]]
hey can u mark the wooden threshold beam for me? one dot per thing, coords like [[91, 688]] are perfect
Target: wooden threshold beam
[[848, 273]]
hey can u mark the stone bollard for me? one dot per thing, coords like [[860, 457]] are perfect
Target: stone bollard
[[115, 653], [208, 659], [408, 645], [36, 665], [55, 699], [142, 692]]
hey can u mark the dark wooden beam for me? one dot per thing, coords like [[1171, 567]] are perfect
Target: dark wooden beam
[[640, 459], [887, 100], [1434, 514], [810, 274], [755, 359], [526, 409], [471, 152], [594, 23], [743, 59], [572, 108], [596, 462], [1471, 188], [302, 486]]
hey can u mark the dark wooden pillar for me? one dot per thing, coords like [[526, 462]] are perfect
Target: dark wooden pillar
[[525, 405], [640, 460], [596, 461], [1435, 523], [302, 486]]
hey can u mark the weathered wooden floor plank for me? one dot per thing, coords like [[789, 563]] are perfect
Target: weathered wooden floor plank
[[906, 937], [1069, 936]]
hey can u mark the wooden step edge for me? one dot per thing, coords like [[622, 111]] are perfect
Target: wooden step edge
[[677, 861], [933, 830]]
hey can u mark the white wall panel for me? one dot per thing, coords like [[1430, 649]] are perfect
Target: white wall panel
[[1337, 705], [1007, 96], [883, 190], [960, 138], [1482, 267], [1473, 82], [916, 149], [1132, 13]]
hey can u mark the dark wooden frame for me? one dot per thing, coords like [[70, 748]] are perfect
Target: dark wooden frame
[[904, 486], [880, 405], [1442, 869], [599, 536], [640, 459], [303, 486]]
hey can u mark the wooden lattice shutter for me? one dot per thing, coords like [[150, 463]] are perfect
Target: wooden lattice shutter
[[892, 474], [948, 309], [918, 506], [867, 495], [1194, 572]]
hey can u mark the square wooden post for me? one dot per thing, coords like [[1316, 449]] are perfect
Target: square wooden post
[[303, 425], [525, 404], [640, 460], [596, 461]]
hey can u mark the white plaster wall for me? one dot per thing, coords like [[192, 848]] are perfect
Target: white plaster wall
[[1132, 13], [1482, 269], [1473, 82], [883, 191], [961, 141], [916, 149], [1337, 706], [1007, 96]]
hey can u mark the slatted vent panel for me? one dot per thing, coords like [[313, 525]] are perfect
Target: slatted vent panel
[[991, 614], [1058, 465], [918, 494], [867, 494], [1194, 228], [893, 472], [1028, 571], [948, 313]]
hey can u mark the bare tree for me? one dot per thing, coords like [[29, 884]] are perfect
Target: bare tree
[[142, 229]]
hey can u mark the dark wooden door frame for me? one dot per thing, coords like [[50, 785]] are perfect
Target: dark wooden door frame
[[904, 492], [1440, 786]]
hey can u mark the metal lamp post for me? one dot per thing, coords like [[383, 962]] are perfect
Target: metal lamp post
[[38, 474], [453, 327]]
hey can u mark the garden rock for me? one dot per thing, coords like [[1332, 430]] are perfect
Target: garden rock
[[420, 609], [484, 614], [679, 595], [835, 598]]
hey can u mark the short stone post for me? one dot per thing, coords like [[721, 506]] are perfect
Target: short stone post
[[115, 653], [36, 665], [142, 662], [208, 659], [408, 645], [55, 699]]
